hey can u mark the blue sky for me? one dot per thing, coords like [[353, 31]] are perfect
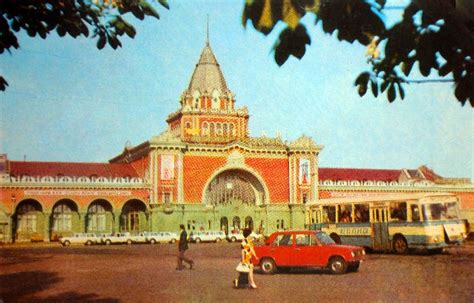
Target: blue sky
[[68, 101]]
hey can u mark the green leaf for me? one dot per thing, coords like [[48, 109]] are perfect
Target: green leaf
[[384, 86], [3, 83], [391, 94], [375, 88], [164, 3], [101, 42], [401, 91], [407, 66]]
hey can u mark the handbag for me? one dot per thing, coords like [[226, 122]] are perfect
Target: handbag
[[241, 267]]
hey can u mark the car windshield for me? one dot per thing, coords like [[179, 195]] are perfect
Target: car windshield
[[440, 211], [324, 239]]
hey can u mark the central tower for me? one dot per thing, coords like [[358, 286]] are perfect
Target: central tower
[[208, 114]]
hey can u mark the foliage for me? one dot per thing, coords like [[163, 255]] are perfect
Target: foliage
[[70, 17], [436, 34]]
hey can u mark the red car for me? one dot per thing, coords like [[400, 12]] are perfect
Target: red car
[[306, 248]]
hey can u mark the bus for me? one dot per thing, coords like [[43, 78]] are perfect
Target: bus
[[392, 222]]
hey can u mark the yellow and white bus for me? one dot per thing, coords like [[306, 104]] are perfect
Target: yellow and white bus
[[393, 222]]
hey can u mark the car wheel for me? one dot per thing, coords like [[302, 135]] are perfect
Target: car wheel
[[66, 243], [88, 242], [198, 240], [218, 240], [233, 239], [173, 241], [108, 242], [152, 241], [400, 245], [335, 238], [337, 265], [268, 266], [129, 242], [353, 267]]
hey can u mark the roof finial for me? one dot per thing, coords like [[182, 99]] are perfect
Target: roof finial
[[207, 36]]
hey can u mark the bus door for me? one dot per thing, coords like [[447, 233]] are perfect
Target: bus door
[[379, 224]]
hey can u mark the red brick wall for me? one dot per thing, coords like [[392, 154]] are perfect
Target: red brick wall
[[467, 200], [275, 175], [197, 170]]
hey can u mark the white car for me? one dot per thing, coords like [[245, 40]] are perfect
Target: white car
[[117, 238], [233, 237], [140, 237], [162, 237], [80, 238], [207, 236]]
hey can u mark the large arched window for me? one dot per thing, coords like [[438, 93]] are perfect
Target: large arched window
[[231, 129], [236, 223], [224, 130], [62, 217], [97, 217], [27, 218], [249, 222], [133, 216], [218, 129]]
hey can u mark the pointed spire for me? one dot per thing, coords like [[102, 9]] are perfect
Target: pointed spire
[[207, 33], [207, 75]]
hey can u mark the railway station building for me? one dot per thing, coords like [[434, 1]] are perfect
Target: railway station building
[[204, 170]]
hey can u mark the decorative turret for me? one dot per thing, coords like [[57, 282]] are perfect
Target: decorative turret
[[207, 113], [207, 90]]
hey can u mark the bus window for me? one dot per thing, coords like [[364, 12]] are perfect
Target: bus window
[[329, 214], [440, 211], [415, 213], [398, 211], [361, 213], [345, 213]]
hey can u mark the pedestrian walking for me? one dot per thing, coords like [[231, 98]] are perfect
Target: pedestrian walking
[[182, 247], [245, 267]]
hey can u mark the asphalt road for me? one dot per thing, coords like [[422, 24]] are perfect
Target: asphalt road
[[146, 273]]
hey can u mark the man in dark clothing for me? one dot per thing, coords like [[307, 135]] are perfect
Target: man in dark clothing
[[182, 247]]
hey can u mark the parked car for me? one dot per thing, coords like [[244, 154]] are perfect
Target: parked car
[[80, 238], [207, 236], [118, 238], [140, 237], [287, 249], [233, 237], [162, 237]]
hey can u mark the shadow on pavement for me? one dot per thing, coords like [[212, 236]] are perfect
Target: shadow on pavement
[[22, 287]]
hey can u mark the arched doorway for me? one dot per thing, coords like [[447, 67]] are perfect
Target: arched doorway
[[236, 224], [99, 217], [235, 186], [28, 221], [64, 219], [249, 222], [225, 225], [134, 217]]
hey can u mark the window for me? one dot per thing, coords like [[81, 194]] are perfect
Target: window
[[205, 128], [283, 240], [219, 129], [27, 218], [329, 214], [97, 218], [305, 198], [211, 129], [415, 213], [188, 124], [224, 129], [398, 211], [345, 212], [62, 218], [231, 129], [280, 224], [303, 240], [166, 198], [361, 213]]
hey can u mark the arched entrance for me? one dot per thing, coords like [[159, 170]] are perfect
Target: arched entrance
[[64, 219], [99, 217], [235, 186], [28, 221], [134, 217], [249, 222], [225, 225]]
